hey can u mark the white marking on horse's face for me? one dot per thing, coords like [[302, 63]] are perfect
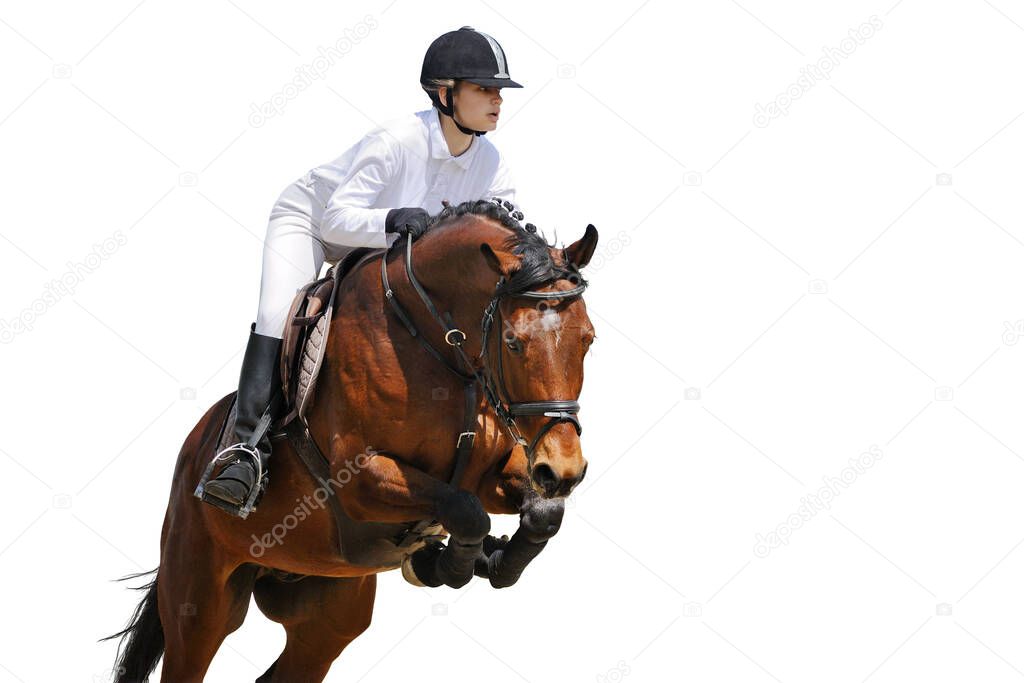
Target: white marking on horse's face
[[550, 321]]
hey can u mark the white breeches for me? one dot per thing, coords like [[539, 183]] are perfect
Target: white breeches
[[293, 254]]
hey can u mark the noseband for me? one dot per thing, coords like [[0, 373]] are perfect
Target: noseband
[[557, 411]]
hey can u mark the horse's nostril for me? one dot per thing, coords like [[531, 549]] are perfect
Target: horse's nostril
[[545, 478]]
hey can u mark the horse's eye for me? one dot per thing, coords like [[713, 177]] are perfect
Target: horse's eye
[[513, 344]]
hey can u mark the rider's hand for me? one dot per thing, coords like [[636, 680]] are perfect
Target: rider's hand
[[411, 221]]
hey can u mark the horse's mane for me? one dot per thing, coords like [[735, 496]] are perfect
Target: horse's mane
[[536, 267]]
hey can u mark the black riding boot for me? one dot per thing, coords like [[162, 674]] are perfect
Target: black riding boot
[[258, 385]]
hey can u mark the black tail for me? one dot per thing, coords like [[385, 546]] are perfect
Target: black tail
[[142, 641]]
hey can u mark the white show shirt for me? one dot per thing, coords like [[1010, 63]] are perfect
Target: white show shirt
[[403, 163], [342, 205]]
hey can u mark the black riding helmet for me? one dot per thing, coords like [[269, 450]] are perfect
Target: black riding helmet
[[465, 55]]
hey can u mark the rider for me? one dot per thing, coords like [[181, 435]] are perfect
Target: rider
[[383, 187]]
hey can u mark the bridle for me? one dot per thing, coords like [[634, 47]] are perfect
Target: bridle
[[558, 411]]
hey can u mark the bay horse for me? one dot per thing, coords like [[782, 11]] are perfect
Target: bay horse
[[385, 402]]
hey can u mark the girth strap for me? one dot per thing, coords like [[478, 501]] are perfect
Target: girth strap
[[315, 461]]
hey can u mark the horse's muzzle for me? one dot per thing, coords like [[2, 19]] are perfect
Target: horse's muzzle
[[550, 484]]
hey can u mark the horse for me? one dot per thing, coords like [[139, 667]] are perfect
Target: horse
[[385, 412]]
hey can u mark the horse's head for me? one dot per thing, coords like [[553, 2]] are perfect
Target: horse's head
[[535, 334]]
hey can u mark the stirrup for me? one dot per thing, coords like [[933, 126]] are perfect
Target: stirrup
[[249, 504]]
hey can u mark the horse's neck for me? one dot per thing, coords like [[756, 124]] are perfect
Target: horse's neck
[[367, 339], [447, 268]]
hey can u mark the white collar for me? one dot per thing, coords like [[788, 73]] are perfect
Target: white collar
[[439, 146]]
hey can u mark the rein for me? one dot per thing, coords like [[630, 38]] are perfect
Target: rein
[[558, 411]]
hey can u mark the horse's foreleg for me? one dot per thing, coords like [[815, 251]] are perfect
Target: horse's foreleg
[[453, 564], [539, 520], [391, 491], [508, 489]]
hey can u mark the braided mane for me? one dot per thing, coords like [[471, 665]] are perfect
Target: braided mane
[[536, 266]]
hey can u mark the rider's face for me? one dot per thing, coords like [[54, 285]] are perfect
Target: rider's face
[[476, 106]]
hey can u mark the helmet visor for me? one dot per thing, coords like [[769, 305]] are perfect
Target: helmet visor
[[493, 82]]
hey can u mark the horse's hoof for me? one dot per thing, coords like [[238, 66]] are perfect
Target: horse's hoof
[[409, 575], [491, 544], [419, 568]]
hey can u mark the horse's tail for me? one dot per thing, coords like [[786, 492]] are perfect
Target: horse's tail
[[142, 641]]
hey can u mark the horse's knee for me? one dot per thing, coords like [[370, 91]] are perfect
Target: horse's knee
[[541, 518], [464, 517]]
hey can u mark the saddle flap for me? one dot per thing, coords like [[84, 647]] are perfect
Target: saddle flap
[[293, 338]]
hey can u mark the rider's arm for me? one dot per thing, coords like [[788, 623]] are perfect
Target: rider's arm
[[348, 220]]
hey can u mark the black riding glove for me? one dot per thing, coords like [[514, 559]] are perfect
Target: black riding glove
[[411, 221]]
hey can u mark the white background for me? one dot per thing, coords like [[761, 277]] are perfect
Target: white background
[[770, 301]]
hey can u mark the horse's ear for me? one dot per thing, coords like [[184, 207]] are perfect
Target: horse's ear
[[579, 252], [500, 262]]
